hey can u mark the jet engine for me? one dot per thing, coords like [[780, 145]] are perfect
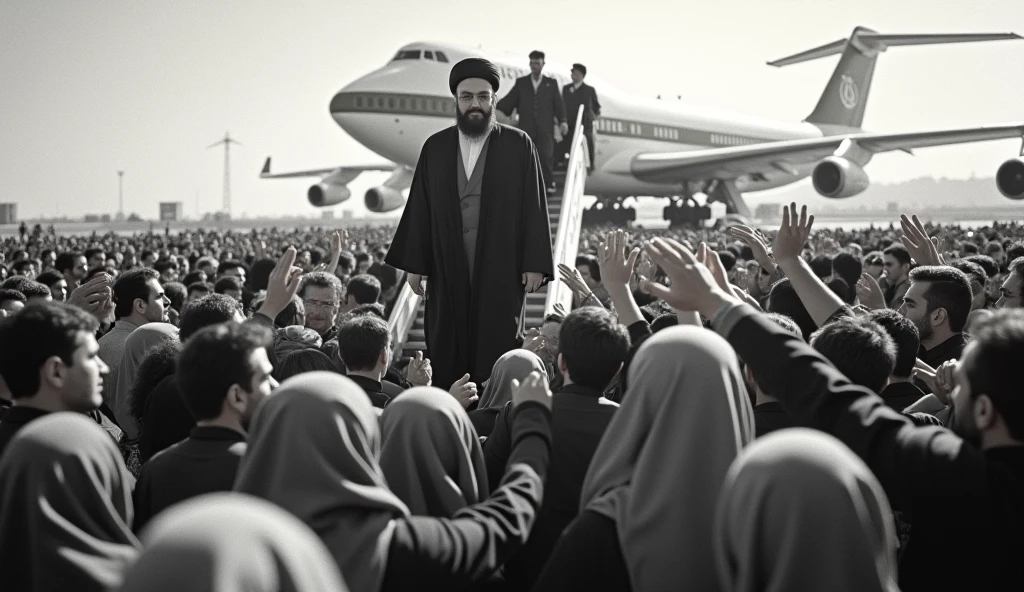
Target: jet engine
[[382, 199], [1010, 178], [839, 177], [327, 194]]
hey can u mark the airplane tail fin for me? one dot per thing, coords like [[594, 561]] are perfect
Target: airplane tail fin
[[843, 101]]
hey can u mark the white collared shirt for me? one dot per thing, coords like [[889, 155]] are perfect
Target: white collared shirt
[[536, 82], [470, 148]]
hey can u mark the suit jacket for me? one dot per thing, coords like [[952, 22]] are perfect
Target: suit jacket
[[586, 96], [537, 110]]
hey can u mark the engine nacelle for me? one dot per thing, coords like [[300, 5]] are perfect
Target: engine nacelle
[[1010, 178], [327, 194], [838, 177], [382, 199]]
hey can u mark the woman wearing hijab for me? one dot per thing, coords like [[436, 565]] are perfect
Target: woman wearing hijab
[[313, 450], [231, 543], [649, 497], [800, 511], [431, 456], [65, 508], [517, 364], [141, 340]]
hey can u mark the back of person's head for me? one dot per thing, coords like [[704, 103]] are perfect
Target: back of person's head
[[783, 299], [728, 259], [361, 339], [842, 289], [873, 259], [993, 370], [904, 336], [18, 283], [259, 274], [36, 291], [160, 362], [215, 359], [228, 283], [176, 292], [49, 278], [193, 277], [948, 289], [786, 323], [987, 263], [664, 322], [858, 348], [226, 266], [131, 286], [592, 346], [8, 296], [294, 313], [321, 279], [374, 308], [39, 333], [65, 262], [303, 360], [208, 310], [974, 272], [1014, 251], [365, 289], [821, 266], [968, 248], [848, 267], [95, 271], [898, 252], [994, 248]]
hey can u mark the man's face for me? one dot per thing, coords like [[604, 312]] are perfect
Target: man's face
[[914, 308], [763, 279], [978, 296], [156, 306], [1010, 292], [536, 67], [475, 102], [237, 272], [97, 260], [963, 406], [587, 277], [322, 307], [260, 387], [29, 271], [895, 272], [363, 267], [875, 271], [576, 76], [82, 388], [59, 291], [207, 268], [169, 275], [80, 268], [49, 259], [236, 294]]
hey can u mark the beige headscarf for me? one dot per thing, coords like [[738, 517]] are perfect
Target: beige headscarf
[[138, 344], [431, 455], [800, 511], [516, 364], [231, 542], [659, 468], [313, 450]]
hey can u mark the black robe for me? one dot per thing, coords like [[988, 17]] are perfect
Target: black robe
[[468, 327]]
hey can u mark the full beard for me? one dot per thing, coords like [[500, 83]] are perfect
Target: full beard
[[475, 127]]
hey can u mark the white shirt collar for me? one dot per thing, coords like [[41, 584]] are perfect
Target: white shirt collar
[[470, 148]]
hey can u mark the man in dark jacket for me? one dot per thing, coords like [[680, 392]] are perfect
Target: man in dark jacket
[[539, 104], [574, 96]]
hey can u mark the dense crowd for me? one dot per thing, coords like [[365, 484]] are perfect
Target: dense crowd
[[732, 409]]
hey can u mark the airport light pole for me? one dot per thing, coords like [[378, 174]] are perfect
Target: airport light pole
[[227, 142], [120, 195]]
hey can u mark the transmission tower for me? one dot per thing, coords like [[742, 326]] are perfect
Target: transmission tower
[[227, 142]]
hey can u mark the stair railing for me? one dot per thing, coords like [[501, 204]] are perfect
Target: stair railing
[[567, 239]]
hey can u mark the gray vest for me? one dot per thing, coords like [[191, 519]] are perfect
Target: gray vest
[[469, 199]]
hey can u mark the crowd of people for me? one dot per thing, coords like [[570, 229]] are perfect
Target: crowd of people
[[735, 409]]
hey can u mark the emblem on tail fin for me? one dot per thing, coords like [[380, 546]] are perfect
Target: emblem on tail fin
[[848, 92]]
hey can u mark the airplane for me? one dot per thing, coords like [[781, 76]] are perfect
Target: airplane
[[649, 147]]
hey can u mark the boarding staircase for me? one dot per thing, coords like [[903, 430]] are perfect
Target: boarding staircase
[[565, 213]]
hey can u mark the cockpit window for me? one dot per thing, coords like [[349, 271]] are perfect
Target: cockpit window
[[428, 55], [408, 54], [441, 57]]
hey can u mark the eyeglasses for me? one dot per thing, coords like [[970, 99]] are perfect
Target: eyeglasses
[[319, 304], [468, 98]]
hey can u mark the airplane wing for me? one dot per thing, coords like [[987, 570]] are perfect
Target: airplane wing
[[772, 157], [346, 173]]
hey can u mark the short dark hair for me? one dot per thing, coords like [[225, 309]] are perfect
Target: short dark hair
[[346, 262], [40, 331], [783, 299], [208, 310], [591, 263], [321, 279], [899, 252], [593, 346], [49, 278], [89, 253], [536, 55], [664, 321], [972, 270], [789, 326], [226, 265], [728, 259], [228, 282], [259, 274], [1016, 266], [969, 247], [20, 265], [66, 260], [374, 308], [848, 267], [360, 341], [288, 315], [580, 68], [995, 372], [9, 294], [35, 290], [303, 360], [858, 348], [131, 286], [176, 292], [821, 266], [948, 289], [904, 335], [842, 289], [95, 271], [213, 360], [873, 258], [194, 277], [987, 263], [198, 287], [364, 288], [16, 282], [1014, 251]]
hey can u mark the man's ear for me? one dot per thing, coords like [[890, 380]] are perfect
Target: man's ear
[[53, 373], [561, 364], [139, 306], [235, 399], [939, 315], [985, 414]]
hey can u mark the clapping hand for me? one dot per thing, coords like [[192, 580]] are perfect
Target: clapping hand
[[870, 293], [464, 391], [793, 233], [94, 296], [939, 380], [923, 249], [534, 388], [419, 372]]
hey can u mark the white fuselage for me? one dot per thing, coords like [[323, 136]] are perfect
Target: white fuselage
[[394, 109]]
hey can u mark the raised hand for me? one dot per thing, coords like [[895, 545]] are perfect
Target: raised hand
[[758, 245], [793, 233], [616, 267], [922, 248], [419, 372], [693, 287], [710, 259], [282, 285], [94, 296], [572, 278], [870, 293], [534, 388], [464, 391], [939, 380]]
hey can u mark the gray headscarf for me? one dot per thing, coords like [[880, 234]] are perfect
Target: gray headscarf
[[141, 340], [800, 511], [313, 450], [431, 455], [231, 542], [516, 364], [65, 508], [659, 468]]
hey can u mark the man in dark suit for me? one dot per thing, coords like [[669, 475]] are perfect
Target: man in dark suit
[[574, 95], [539, 104]]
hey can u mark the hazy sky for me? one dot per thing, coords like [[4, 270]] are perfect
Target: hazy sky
[[90, 87]]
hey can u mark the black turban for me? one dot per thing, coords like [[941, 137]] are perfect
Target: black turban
[[473, 68]]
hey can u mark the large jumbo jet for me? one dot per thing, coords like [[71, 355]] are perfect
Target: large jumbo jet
[[648, 147]]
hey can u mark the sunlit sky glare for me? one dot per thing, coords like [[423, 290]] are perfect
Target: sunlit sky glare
[[88, 88]]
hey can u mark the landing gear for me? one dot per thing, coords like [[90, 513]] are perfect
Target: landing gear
[[726, 192], [609, 210], [685, 212]]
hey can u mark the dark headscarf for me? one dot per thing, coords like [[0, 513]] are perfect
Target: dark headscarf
[[65, 508], [231, 542], [473, 68]]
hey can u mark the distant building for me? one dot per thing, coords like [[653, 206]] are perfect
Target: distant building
[[327, 215], [346, 215], [8, 213], [171, 211]]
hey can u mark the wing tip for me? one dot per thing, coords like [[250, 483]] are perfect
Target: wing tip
[[266, 168]]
